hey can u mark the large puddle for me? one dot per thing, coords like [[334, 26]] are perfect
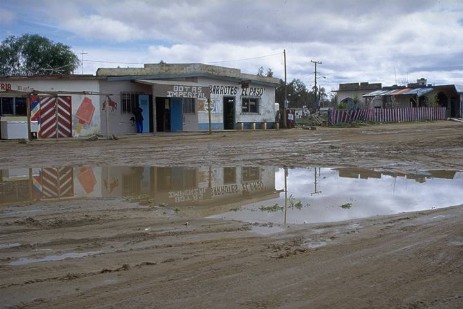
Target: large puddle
[[250, 194]]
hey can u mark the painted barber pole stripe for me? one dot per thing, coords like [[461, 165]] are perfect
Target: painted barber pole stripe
[[57, 182], [55, 117]]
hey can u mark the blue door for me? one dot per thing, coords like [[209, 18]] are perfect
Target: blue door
[[176, 115], [143, 101]]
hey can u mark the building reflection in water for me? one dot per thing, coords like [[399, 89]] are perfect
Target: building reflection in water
[[173, 186], [205, 191]]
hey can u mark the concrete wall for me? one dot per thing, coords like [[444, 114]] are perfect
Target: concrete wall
[[356, 90], [190, 120], [221, 89], [113, 121], [66, 85], [119, 122]]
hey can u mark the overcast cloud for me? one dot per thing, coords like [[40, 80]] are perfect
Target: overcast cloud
[[365, 40]]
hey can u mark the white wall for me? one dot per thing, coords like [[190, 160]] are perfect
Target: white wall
[[221, 89], [66, 85], [118, 122]]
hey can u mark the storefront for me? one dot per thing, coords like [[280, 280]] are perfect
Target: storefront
[[192, 97], [173, 98]]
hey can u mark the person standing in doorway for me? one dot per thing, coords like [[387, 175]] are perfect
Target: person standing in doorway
[[138, 114]]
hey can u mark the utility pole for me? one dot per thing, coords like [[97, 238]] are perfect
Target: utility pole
[[82, 57], [285, 103], [317, 101]]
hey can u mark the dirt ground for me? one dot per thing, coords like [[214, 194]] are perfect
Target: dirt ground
[[125, 255]]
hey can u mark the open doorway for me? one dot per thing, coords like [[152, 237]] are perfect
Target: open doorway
[[169, 115], [229, 113], [162, 114]]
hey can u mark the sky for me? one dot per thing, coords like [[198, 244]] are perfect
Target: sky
[[389, 41]]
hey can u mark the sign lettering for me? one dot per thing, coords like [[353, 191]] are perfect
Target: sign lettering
[[181, 91], [252, 92], [224, 90], [5, 86]]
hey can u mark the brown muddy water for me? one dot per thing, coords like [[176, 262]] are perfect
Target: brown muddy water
[[271, 195]]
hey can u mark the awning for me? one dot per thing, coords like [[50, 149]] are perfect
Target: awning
[[402, 91], [376, 93], [379, 93], [418, 91], [177, 89]]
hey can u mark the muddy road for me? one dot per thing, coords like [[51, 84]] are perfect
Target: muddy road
[[120, 253]]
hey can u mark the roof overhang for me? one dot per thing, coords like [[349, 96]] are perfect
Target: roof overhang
[[173, 77], [177, 89]]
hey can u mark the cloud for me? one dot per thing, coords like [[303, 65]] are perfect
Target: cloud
[[102, 28], [358, 40], [6, 16]]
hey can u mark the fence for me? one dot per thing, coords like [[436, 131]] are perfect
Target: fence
[[338, 116]]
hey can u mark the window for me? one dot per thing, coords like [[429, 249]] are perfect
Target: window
[[188, 106], [129, 101], [13, 106], [250, 105], [250, 174], [229, 175], [20, 106]]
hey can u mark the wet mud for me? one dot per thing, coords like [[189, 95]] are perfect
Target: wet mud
[[129, 252]]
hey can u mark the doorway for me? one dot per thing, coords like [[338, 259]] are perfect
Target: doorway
[[162, 115], [169, 115], [229, 113]]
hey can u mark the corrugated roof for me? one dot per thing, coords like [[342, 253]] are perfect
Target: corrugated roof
[[376, 93], [402, 91], [418, 91]]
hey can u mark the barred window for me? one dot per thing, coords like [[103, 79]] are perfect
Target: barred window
[[188, 106], [129, 101], [250, 105]]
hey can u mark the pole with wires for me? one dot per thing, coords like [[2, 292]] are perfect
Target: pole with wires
[[317, 101]]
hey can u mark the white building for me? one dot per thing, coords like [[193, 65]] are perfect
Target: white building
[[174, 98]]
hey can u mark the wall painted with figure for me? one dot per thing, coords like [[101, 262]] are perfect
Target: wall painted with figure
[[116, 112], [61, 106]]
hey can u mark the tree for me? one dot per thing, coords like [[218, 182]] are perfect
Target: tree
[[34, 54], [297, 94], [268, 73]]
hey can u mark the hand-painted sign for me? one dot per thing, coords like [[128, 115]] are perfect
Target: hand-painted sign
[[233, 90], [252, 92], [181, 91], [224, 90], [5, 86]]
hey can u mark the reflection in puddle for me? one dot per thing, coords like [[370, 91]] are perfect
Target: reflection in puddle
[[250, 194], [50, 258], [317, 195]]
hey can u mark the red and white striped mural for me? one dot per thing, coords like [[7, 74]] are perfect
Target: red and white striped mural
[[338, 116], [54, 116], [54, 183]]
